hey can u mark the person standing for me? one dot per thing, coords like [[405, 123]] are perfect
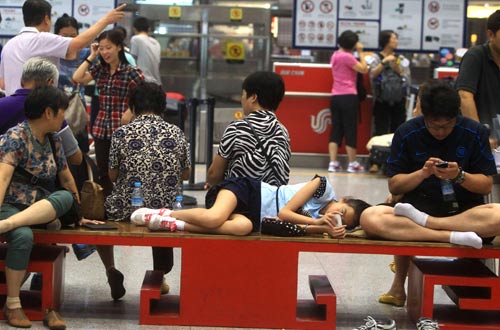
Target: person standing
[[440, 135], [114, 78], [35, 39], [344, 105], [478, 81], [146, 50], [388, 114]]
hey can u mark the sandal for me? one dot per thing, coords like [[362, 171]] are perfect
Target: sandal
[[53, 320], [16, 317]]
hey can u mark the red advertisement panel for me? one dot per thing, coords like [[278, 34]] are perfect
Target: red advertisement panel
[[305, 110]]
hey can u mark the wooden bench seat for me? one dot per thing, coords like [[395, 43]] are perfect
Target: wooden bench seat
[[249, 281], [49, 261]]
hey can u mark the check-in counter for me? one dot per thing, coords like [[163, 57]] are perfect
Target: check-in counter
[[305, 109]]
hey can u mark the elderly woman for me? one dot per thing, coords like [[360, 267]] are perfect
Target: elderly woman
[[151, 151], [27, 146]]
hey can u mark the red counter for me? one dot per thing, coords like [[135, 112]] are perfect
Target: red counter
[[305, 110]]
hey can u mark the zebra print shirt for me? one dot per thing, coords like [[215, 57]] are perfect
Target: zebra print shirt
[[245, 159]]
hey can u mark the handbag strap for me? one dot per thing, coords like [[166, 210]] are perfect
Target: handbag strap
[[261, 146]]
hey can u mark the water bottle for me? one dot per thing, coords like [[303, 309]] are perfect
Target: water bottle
[[449, 198], [137, 196], [178, 203]]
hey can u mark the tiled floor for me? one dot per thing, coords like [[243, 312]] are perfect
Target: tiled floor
[[357, 279]]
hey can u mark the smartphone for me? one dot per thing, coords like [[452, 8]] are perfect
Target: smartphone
[[338, 219], [99, 227], [442, 164]]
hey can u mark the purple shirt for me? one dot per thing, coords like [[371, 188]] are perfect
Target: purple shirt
[[344, 77], [12, 113]]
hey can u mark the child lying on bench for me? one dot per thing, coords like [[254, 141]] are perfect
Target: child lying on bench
[[236, 206]]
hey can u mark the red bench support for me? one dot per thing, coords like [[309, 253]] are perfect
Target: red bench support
[[49, 261], [470, 284]]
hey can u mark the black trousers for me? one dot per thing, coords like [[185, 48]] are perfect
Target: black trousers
[[163, 258]]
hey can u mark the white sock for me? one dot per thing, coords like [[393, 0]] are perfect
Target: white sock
[[468, 238], [180, 224], [409, 211]]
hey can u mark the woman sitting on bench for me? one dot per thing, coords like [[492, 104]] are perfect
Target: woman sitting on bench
[[236, 206]]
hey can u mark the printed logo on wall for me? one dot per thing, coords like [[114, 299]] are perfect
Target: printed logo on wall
[[320, 123]]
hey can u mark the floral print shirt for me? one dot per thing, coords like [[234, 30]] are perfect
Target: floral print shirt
[[18, 147], [151, 151]]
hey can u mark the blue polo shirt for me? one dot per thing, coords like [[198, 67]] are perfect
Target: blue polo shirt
[[12, 109], [467, 145]]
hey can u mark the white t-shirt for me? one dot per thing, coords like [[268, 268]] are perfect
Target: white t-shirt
[[147, 50], [27, 44]]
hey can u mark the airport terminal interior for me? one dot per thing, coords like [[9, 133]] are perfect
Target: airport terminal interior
[[357, 279]]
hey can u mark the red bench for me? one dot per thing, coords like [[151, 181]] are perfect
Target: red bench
[[49, 261], [248, 281], [473, 287]]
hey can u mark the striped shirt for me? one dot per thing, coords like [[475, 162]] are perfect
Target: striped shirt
[[245, 159]]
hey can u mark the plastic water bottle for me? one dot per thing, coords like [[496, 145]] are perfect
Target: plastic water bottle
[[137, 201], [178, 203], [449, 198]]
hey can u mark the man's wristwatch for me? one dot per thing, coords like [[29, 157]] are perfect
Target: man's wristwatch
[[460, 178]]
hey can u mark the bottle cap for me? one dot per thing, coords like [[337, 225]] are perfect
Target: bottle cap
[[137, 184], [178, 198]]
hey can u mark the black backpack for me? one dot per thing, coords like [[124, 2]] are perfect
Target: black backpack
[[390, 87]]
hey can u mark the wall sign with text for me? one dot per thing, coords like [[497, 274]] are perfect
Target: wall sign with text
[[422, 25]]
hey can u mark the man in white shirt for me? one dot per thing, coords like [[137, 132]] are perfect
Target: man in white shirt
[[35, 39], [146, 50]]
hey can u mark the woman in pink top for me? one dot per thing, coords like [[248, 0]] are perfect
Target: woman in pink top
[[344, 104]]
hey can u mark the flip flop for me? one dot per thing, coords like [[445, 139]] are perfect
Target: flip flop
[[391, 300]]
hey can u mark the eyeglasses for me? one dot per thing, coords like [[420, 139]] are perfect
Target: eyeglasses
[[446, 127]]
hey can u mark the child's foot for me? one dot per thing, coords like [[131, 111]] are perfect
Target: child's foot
[[163, 223], [467, 238], [410, 212], [141, 216]]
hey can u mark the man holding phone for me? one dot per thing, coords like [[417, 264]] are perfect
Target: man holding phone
[[426, 150]]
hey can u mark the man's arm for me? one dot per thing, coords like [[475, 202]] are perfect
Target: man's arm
[[405, 182], [468, 105], [87, 37]]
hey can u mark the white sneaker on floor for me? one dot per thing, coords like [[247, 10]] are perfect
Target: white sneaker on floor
[[140, 217], [425, 323], [355, 167], [372, 324], [334, 167]]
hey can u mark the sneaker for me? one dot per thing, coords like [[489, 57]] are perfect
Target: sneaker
[[158, 222], [141, 216], [372, 324], [115, 280], [355, 167], [425, 323], [82, 251], [334, 167]]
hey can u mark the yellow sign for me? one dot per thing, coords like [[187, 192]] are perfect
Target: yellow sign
[[238, 115], [235, 14], [235, 51], [174, 12]]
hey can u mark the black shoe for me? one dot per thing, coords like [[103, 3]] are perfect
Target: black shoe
[[82, 251], [115, 280]]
